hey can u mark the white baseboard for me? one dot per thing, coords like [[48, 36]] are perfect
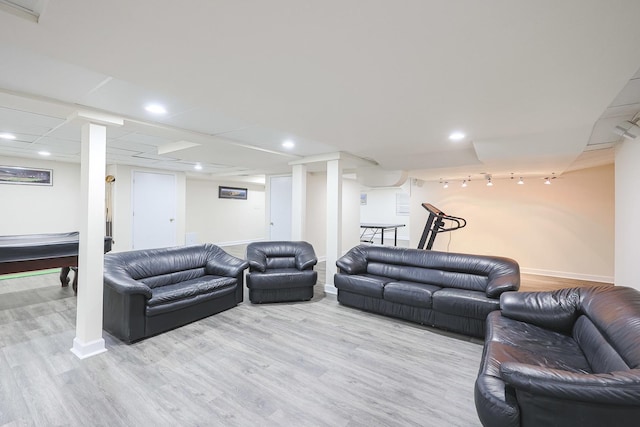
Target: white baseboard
[[84, 350], [568, 275], [330, 289]]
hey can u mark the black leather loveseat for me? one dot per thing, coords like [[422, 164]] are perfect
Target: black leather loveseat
[[151, 291], [563, 358], [447, 290]]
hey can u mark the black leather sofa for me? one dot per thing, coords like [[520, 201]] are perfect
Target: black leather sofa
[[147, 292], [563, 358], [451, 291], [281, 271]]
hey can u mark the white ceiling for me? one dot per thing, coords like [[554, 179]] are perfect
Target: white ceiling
[[537, 86]]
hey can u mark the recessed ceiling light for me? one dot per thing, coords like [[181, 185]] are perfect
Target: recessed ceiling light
[[156, 108], [197, 167], [7, 136], [457, 136], [288, 144], [44, 153]]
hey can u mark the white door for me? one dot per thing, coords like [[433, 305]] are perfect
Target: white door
[[154, 210], [280, 208]]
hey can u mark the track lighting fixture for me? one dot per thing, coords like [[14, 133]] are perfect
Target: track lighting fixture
[[464, 183], [627, 130], [547, 180], [446, 185], [489, 183], [521, 181]]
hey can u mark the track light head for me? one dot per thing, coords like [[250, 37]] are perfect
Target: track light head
[[628, 130]]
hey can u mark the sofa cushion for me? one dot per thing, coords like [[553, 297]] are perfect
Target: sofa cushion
[[363, 284], [174, 277], [463, 302], [410, 293], [282, 278], [510, 340], [189, 289]]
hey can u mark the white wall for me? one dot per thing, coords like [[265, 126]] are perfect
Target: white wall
[[224, 221], [32, 209], [565, 229], [317, 215], [381, 208], [350, 214]]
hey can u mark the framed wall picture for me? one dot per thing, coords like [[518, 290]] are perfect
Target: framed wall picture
[[25, 176], [232, 193]]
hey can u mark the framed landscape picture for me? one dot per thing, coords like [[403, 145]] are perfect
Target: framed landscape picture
[[25, 176], [232, 193]]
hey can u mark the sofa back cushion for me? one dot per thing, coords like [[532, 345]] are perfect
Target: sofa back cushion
[[446, 269], [175, 277], [449, 279], [614, 312], [164, 266], [602, 357], [278, 262], [263, 256]]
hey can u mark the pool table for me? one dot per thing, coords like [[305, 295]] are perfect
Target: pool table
[[30, 252]]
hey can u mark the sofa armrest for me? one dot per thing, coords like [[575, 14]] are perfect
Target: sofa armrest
[[226, 265], [118, 280], [305, 257], [353, 262], [499, 285], [556, 310], [619, 388]]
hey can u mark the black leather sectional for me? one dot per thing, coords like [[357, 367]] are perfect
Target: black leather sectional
[[451, 291], [150, 291], [563, 358]]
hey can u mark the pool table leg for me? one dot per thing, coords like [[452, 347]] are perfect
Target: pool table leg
[[64, 276]]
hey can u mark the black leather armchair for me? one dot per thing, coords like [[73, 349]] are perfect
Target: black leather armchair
[[147, 292], [564, 358], [281, 271]]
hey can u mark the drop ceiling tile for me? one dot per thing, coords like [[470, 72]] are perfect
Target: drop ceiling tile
[[129, 100], [155, 157], [148, 140], [272, 140], [204, 121], [63, 81], [24, 121], [630, 94], [623, 112]]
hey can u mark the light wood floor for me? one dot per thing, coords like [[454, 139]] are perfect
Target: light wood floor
[[305, 364]]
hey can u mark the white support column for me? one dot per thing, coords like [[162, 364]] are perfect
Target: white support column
[[334, 221], [627, 212], [299, 202], [88, 341]]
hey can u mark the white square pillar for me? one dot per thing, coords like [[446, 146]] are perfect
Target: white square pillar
[[299, 202], [334, 221], [88, 340], [626, 214]]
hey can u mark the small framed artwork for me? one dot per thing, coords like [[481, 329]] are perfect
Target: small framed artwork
[[25, 176], [232, 193], [363, 198]]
